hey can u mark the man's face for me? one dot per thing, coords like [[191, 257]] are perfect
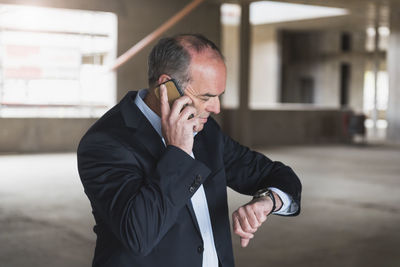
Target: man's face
[[208, 78]]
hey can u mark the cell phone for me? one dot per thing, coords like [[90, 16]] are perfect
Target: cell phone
[[173, 91]]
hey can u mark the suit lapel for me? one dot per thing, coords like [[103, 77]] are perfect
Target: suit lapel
[[200, 150], [151, 139], [144, 131]]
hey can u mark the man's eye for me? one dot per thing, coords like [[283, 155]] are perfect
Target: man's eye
[[204, 98]]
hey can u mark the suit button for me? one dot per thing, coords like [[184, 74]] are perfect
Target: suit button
[[191, 189], [198, 178], [200, 249]]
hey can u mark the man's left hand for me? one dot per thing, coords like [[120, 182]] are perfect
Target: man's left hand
[[248, 218]]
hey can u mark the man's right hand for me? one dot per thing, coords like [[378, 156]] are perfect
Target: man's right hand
[[177, 128]]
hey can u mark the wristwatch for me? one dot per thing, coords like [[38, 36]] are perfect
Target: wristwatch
[[266, 192]]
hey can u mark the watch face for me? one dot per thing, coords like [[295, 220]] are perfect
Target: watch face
[[263, 192], [260, 191]]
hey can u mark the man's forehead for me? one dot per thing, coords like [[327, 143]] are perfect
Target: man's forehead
[[208, 74], [207, 61]]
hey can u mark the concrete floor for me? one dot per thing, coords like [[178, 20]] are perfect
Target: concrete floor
[[350, 216]]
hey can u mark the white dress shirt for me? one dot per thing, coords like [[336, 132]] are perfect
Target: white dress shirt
[[199, 201]]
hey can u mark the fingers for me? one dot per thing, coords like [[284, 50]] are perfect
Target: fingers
[[178, 105], [187, 112], [197, 124], [244, 237], [244, 242], [251, 217], [237, 228], [177, 128], [165, 108], [247, 219]]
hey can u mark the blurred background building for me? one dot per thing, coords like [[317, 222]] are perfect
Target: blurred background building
[[313, 83]]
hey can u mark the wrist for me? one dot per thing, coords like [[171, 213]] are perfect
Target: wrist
[[267, 195]]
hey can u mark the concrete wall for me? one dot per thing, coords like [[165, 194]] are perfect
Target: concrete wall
[[291, 126], [136, 19], [18, 135], [316, 54]]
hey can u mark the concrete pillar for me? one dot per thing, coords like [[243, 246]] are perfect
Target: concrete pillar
[[393, 59], [243, 125], [264, 67], [230, 47], [376, 68]]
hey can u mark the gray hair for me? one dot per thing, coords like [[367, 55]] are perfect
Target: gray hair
[[171, 56]]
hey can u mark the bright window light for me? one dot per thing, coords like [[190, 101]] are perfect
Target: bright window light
[[230, 14], [384, 31], [53, 62], [369, 91], [265, 12], [384, 34]]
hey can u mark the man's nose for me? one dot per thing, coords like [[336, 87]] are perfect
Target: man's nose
[[214, 106]]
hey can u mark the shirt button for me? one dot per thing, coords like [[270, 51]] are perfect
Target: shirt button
[[191, 189], [200, 249], [198, 178]]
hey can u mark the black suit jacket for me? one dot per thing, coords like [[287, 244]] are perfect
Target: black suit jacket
[[140, 190]]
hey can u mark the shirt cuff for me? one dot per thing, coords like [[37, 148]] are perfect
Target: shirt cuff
[[288, 205]]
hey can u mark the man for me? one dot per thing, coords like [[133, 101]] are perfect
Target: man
[[156, 174]]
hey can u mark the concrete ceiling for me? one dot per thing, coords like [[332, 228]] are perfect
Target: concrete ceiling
[[350, 4], [362, 14]]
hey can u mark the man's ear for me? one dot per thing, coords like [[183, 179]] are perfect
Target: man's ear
[[163, 78]]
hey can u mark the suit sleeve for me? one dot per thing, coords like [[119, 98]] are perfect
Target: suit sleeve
[[248, 171], [139, 210]]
